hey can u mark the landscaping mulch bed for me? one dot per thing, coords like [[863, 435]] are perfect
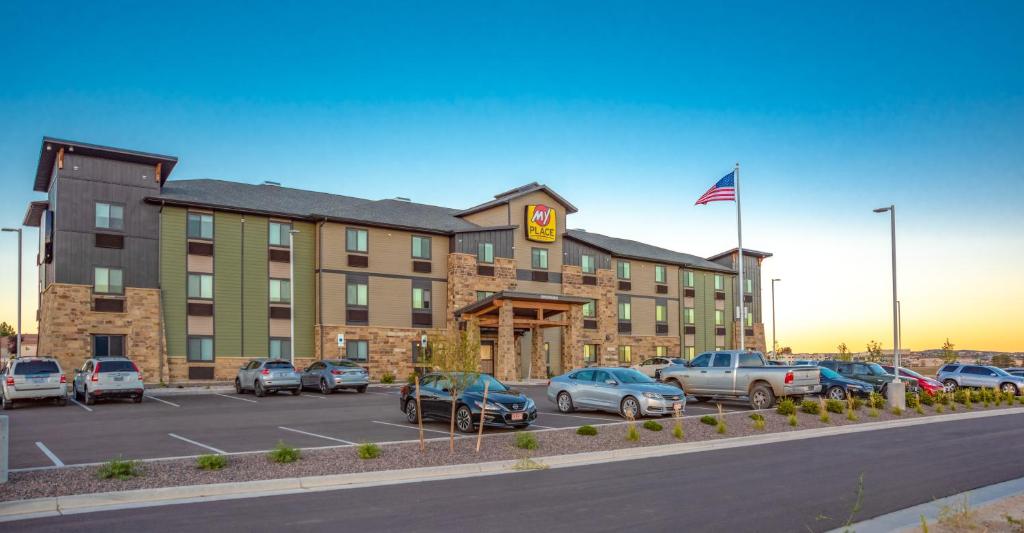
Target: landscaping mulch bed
[[342, 460]]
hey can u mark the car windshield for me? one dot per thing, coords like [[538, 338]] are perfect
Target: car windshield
[[1000, 372], [115, 366], [676, 361], [877, 369], [493, 385], [36, 367], [828, 373], [279, 365], [628, 375]]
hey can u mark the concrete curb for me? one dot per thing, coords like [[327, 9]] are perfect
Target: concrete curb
[[83, 503]]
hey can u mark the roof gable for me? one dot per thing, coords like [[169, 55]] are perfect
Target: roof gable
[[511, 194]]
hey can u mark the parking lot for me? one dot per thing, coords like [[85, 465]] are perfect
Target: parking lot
[[176, 425]]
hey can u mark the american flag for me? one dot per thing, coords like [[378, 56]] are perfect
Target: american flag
[[723, 191]]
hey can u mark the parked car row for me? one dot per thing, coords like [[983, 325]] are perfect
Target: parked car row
[[955, 376], [263, 376]]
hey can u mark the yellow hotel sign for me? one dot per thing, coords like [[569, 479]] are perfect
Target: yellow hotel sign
[[541, 223]]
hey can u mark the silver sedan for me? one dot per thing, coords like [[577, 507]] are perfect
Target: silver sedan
[[330, 375], [615, 390]]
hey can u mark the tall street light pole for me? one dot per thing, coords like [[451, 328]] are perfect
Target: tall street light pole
[[775, 347], [18, 231], [895, 311]]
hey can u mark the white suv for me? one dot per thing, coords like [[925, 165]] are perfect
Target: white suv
[[32, 378], [108, 377]]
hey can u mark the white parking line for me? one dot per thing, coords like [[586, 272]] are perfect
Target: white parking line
[[159, 400], [576, 416], [201, 445], [343, 441], [542, 427], [320, 397], [53, 457], [383, 393], [74, 401], [235, 398], [414, 428]]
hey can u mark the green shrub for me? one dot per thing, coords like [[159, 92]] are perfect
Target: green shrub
[[793, 420], [632, 434], [119, 469], [897, 411], [388, 377], [526, 441], [961, 396], [927, 399], [652, 425], [759, 423], [943, 398], [876, 401], [283, 453], [913, 401], [368, 450], [835, 406], [810, 407], [976, 396], [587, 430], [709, 420], [211, 462], [919, 410], [939, 408], [720, 428], [873, 413], [786, 407], [825, 419], [756, 416], [851, 415], [677, 432], [856, 402]]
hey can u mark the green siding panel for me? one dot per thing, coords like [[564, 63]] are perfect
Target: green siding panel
[[227, 284], [173, 257], [304, 305], [255, 292], [730, 309]]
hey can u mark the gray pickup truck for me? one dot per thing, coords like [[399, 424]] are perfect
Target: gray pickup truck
[[735, 373]]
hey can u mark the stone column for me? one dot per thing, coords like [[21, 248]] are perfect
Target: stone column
[[505, 356], [538, 365], [572, 344]]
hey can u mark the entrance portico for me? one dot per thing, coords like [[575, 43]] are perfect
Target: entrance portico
[[512, 314]]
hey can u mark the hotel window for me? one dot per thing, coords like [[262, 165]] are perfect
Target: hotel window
[[661, 351], [200, 226], [539, 259], [589, 354], [748, 285], [750, 318], [588, 264], [108, 281], [660, 312], [200, 349], [625, 310], [687, 278], [687, 315], [485, 253], [623, 269], [356, 294], [719, 318], [420, 247], [280, 234], [689, 353], [719, 283], [200, 286], [625, 354], [356, 240], [483, 295], [357, 350], [590, 309], [107, 345], [281, 348], [659, 274], [109, 216], [420, 298], [280, 291]]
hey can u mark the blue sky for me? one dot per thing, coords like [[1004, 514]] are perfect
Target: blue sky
[[629, 110]]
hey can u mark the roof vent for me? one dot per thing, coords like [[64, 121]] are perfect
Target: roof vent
[[272, 183], [402, 199]]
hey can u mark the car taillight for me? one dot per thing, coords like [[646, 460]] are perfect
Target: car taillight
[[789, 377], [405, 390], [265, 372], [10, 380], [336, 372], [63, 378], [137, 371], [95, 373]]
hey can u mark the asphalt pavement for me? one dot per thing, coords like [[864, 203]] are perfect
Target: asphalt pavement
[[45, 435], [807, 485]]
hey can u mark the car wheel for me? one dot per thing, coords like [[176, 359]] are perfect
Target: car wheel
[[949, 385], [62, 400], [885, 391], [324, 387], [1009, 388], [836, 393], [761, 397], [361, 389], [565, 402], [297, 391], [410, 411], [7, 404], [238, 387], [464, 419], [89, 398], [257, 389], [701, 398], [630, 407]]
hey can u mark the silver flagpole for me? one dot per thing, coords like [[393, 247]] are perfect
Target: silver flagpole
[[739, 231]]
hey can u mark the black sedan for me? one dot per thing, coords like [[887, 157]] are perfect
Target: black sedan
[[835, 386], [505, 407]]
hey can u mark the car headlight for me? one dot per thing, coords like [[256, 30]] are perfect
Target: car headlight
[[652, 395], [490, 406], [529, 404]]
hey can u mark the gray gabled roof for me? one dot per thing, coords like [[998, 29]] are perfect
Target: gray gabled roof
[[746, 252], [298, 203], [505, 197], [645, 252]]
